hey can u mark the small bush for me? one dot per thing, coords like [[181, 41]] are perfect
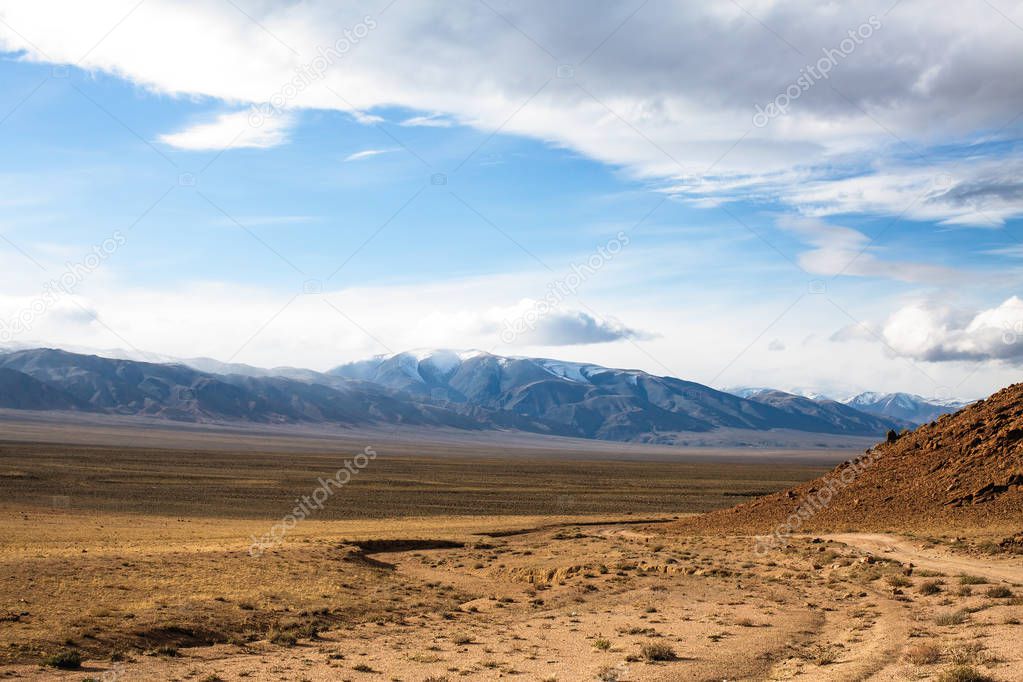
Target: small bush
[[899, 581], [952, 618], [462, 639], [923, 654], [283, 637], [972, 580], [658, 652], [963, 673], [602, 644], [65, 660], [1000, 592], [823, 655], [966, 653], [362, 668], [930, 587]]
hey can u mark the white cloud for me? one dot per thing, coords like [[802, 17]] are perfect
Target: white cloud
[[366, 119], [537, 323], [1014, 251], [430, 121], [367, 153], [981, 192], [844, 251], [934, 332], [662, 108], [234, 131]]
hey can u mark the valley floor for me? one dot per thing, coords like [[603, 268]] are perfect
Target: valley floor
[[483, 598]]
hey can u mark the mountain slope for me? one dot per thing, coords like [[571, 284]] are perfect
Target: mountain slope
[[20, 391], [963, 470]]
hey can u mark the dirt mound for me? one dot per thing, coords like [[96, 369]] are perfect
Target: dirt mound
[[963, 470]]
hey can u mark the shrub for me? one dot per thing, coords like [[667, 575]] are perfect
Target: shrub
[[658, 652], [952, 618], [966, 653], [899, 581], [65, 660], [283, 637], [602, 644], [972, 580], [923, 654], [963, 673], [823, 655], [930, 587], [1000, 592]]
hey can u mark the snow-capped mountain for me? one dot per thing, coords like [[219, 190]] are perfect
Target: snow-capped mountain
[[912, 408]]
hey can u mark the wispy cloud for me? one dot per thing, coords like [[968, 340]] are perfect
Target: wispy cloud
[[429, 121], [367, 153], [839, 250], [1014, 251], [233, 130], [366, 119]]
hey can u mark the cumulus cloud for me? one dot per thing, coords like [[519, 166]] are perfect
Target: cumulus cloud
[[571, 328], [639, 98], [941, 333], [538, 323], [234, 130]]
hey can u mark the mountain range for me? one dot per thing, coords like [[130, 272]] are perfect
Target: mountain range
[[469, 390], [906, 407]]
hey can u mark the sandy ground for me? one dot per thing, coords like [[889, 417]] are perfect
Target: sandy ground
[[595, 602]]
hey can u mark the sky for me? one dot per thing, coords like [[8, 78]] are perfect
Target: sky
[[803, 195]]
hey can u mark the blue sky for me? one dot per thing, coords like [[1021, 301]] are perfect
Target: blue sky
[[430, 185]]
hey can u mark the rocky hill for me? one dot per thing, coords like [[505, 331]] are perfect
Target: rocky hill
[[963, 470]]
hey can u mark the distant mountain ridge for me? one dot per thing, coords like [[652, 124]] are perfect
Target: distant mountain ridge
[[466, 390], [592, 400], [904, 407]]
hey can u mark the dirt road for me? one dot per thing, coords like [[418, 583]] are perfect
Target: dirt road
[[933, 558]]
